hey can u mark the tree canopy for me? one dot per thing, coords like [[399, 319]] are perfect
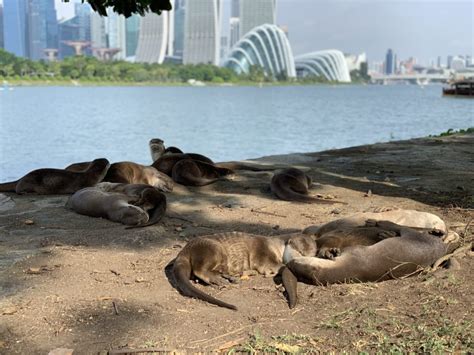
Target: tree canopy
[[129, 7]]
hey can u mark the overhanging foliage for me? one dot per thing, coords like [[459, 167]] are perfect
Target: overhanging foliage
[[129, 7]]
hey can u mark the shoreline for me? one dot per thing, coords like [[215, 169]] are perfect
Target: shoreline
[[79, 83], [44, 246]]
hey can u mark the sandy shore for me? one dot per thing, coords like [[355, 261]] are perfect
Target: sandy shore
[[61, 273]]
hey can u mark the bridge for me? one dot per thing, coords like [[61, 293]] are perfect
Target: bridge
[[416, 78]]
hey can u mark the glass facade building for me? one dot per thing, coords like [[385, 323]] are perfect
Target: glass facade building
[[330, 64], [15, 31], [265, 46]]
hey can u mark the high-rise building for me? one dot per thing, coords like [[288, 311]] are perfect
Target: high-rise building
[[179, 16], [390, 62], [438, 63], [202, 32], [42, 28], [15, 31], [76, 29], [234, 31], [154, 38], [98, 31], [1, 26], [224, 46], [116, 32], [132, 29], [254, 13], [450, 60]]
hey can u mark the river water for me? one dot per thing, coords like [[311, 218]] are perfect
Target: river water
[[55, 126]]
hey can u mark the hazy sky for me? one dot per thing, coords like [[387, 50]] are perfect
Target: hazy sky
[[420, 28]]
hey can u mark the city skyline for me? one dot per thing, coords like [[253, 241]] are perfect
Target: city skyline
[[427, 32], [431, 28]]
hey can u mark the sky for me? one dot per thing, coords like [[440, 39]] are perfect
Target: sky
[[424, 29]]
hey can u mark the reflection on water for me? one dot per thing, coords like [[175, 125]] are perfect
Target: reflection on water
[[55, 126]]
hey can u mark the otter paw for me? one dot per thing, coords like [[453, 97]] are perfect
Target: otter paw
[[329, 253]]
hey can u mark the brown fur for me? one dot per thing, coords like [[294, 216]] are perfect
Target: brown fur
[[58, 181], [128, 172], [390, 257], [214, 257], [138, 205], [292, 185], [407, 218]]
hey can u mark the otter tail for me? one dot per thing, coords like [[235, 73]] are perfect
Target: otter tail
[[8, 186], [155, 214], [182, 273], [290, 283]]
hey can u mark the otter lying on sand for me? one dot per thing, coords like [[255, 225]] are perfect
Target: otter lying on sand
[[214, 258], [128, 172], [58, 181], [137, 205], [378, 251], [292, 185]]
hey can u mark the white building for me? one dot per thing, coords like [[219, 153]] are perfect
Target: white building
[[202, 32], [329, 64], [116, 33], [254, 13], [156, 37], [266, 46]]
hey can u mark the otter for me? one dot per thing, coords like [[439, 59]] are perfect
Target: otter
[[292, 184], [58, 181], [407, 218], [131, 173], [138, 205], [399, 252], [213, 258]]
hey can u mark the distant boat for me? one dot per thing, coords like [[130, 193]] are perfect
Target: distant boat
[[461, 88]]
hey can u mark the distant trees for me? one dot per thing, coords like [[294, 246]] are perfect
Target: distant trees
[[361, 75], [90, 68]]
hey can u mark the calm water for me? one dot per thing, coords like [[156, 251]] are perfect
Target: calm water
[[55, 126]]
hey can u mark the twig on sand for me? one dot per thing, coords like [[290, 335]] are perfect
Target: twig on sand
[[202, 341], [464, 233], [267, 213], [114, 304]]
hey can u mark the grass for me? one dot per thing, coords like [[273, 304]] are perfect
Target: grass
[[452, 131]]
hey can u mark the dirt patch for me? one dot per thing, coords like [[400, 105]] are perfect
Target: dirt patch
[[88, 284]]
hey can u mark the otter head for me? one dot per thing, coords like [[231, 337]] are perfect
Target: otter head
[[99, 167], [157, 148], [299, 245]]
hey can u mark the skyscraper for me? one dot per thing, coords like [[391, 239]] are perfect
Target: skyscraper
[[117, 34], [1, 26], [153, 38], [98, 31], [389, 62], [42, 27], [202, 32], [234, 31], [15, 27], [254, 13], [132, 29], [77, 29], [450, 60], [179, 16]]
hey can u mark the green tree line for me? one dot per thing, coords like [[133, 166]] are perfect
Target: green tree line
[[93, 70]]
